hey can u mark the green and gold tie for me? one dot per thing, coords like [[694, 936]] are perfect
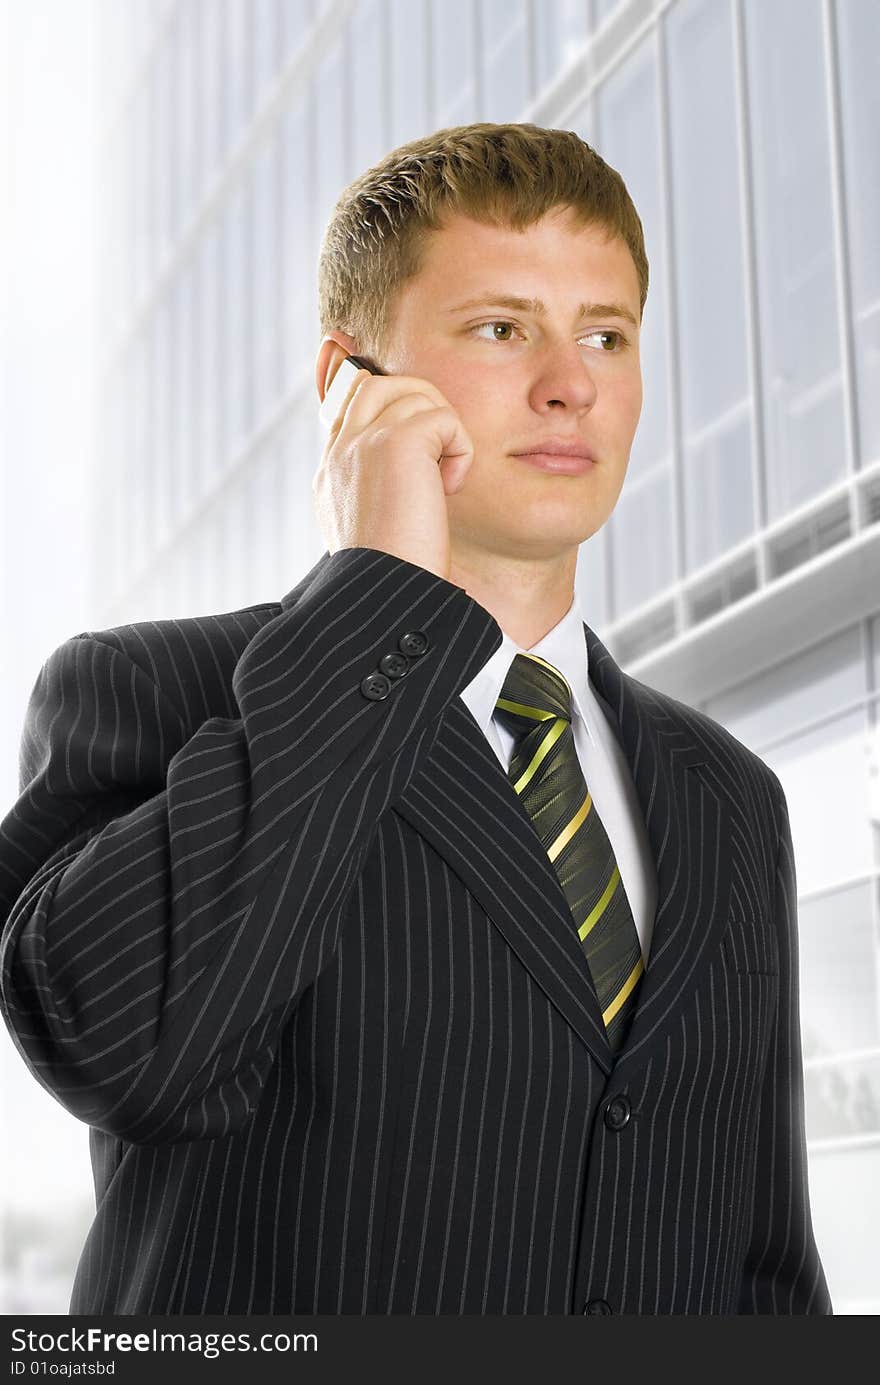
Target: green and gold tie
[[535, 706]]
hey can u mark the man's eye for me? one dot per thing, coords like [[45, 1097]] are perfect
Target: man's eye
[[497, 323], [606, 332]]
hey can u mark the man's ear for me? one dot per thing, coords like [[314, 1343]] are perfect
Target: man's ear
[[334, 347]]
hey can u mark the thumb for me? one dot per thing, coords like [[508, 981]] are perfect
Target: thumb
[[453, 471]]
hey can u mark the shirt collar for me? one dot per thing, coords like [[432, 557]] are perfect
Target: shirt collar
[[565, 647]]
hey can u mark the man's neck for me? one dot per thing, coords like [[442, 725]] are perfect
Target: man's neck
[[526, 598]]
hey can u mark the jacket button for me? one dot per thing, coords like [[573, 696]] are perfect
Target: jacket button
[[395, 665], [617, 1113], [375, 686], [413, 643], [597, 1305]]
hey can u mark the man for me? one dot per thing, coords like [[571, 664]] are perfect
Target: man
[[403, 954]]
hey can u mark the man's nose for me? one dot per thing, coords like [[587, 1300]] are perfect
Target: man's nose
[[567, 380]]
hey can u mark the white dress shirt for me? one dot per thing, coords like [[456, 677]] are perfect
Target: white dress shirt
[[598, 749]]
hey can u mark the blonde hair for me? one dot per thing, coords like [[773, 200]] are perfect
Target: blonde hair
[[503, 175]]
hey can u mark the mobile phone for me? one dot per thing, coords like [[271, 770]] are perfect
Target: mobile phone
[[340, 385]]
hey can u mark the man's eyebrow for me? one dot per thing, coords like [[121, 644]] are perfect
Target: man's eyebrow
[[535, 306]]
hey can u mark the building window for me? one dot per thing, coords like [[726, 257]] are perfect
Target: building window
[[716, 402]]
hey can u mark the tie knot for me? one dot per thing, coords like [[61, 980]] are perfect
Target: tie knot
[[533, 691]]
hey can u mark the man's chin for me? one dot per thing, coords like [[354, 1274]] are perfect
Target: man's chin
[[539, 542]]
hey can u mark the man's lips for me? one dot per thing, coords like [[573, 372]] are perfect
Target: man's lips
[[559, 462]]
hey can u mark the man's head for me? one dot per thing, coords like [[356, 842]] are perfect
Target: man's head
[[487, 212]]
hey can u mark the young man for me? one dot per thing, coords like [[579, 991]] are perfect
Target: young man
[[403, 954]]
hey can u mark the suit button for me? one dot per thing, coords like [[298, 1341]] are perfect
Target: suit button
[[597, 1305], [413, 643], [617, 1113], [375, 686], [395, 665]]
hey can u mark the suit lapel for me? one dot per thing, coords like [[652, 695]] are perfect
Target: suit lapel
[[689, 833], [462, 802]]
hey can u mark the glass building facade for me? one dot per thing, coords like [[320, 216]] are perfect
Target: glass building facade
[[740, 570]]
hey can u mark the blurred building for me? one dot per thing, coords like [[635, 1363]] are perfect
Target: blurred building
[[741, 568]]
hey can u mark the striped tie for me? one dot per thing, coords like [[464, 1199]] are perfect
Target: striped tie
[[535, 706]]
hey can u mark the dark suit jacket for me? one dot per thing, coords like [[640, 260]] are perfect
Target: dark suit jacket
[[295, 953]]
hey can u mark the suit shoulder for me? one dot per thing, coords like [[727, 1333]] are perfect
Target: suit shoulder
[[728, 756], [190, 659], [237, 626]]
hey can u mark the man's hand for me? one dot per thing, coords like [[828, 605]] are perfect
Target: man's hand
[[379, 484]]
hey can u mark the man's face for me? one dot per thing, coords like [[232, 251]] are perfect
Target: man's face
[[517, 377]]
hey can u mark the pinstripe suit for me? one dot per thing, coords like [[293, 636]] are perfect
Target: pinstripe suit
[[297, 956]]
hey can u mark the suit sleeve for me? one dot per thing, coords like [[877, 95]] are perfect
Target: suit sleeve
[[169, 893], [783, 1273]]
